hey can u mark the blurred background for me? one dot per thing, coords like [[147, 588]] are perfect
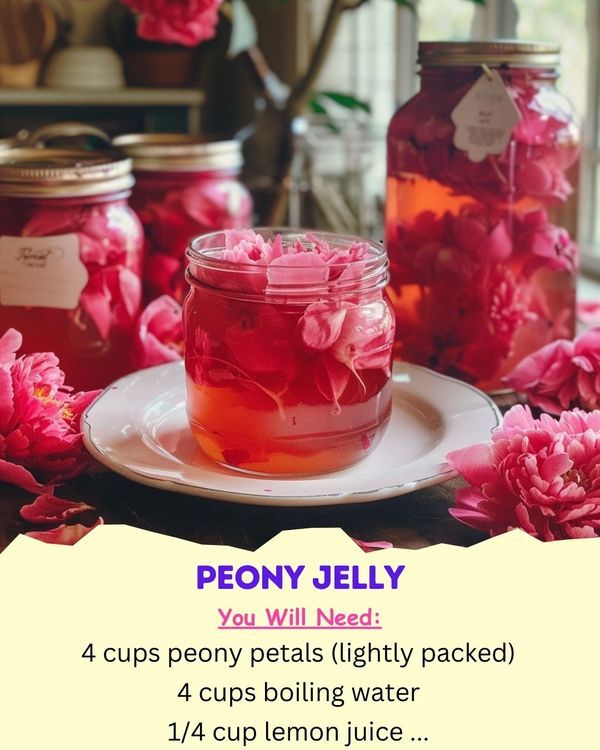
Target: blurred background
[[309, 86]]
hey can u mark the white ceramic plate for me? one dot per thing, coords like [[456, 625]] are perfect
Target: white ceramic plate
[[138, 428]]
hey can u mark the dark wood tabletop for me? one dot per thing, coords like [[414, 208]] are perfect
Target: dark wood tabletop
[[415, 520]]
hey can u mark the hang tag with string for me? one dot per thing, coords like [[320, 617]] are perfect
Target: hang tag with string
[[484, 117]]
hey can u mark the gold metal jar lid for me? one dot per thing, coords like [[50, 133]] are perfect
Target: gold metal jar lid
[[496, 52], [179, 152], [59, 173]]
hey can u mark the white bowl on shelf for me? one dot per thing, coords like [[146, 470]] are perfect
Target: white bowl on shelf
[[86, 68]]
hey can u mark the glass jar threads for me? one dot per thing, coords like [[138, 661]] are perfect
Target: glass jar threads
[[288, 349], [481, 164], [70, 259], [185, 187]]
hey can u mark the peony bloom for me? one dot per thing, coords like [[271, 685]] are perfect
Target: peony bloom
[[186, 22], [159, 333], [540, 475], [561, 375], [40, 437]]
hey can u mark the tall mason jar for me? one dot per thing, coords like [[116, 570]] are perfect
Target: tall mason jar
[[479, 221], [185, 187], [70, 259]]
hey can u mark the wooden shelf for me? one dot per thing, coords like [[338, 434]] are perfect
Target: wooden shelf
[[126, 97], [149, 100]]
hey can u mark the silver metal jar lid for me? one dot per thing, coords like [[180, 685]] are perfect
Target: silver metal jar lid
[[178, 152], [58, 173], [509, 52]]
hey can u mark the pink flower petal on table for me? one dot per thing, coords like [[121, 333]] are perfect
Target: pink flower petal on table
[[48, 508], [20, 476], [372, 546], [63, 534]]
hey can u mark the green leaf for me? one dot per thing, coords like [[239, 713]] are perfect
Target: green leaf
[[346, 100], [317, 108], [410, 4]]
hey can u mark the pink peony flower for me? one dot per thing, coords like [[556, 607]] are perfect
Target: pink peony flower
[[158, 334], [40, 437], [186, 22], [540, 475], [561, 375]]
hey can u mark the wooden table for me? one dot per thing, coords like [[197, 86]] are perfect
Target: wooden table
[[415, 520]]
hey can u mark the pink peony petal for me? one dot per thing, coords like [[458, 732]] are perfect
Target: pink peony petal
[[588, 312], [372, 546], [19, 475], [307, 269], [64, 534], [321, 324], [331, 378], [48, 508], [158, 334], [474, 463]]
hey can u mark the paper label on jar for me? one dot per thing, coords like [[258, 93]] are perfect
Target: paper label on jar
[[41, 272], [484, 118]]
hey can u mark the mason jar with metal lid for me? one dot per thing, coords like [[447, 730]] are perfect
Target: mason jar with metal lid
[[482, 164], [185, 187], [70, 259]]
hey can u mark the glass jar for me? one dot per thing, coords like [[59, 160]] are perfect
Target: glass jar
[[287, 350], [70, 259], [481, 256], [185, 187]]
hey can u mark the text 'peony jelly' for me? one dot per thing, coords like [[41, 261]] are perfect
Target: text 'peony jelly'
[[288, 348], [480, 165]]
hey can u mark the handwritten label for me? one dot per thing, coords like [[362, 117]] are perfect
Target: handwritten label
[[41, 272], [484, 118]]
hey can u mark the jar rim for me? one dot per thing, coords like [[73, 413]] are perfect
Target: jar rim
[[495, 52], [208, 269]]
